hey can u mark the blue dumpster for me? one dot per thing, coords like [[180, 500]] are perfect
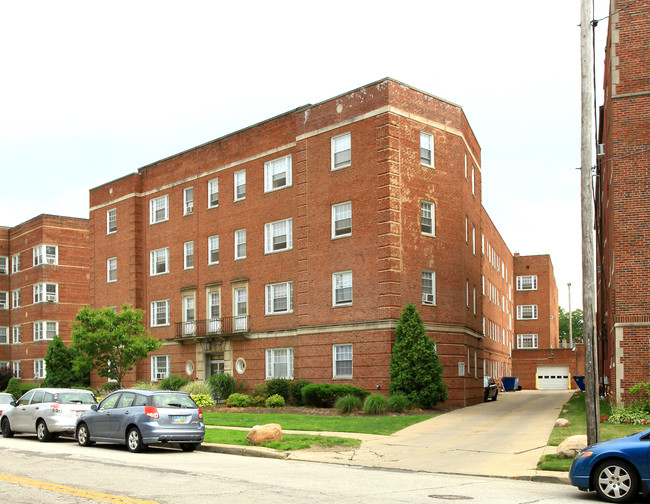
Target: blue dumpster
[[580, 382], [510, 383]]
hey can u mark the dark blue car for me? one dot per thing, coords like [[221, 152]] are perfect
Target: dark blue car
[[617, 470]]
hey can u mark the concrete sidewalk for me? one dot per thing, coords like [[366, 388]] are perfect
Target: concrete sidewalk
[[505, 438]]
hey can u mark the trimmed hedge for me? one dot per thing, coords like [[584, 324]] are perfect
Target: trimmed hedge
[[278, 386], [324, 395], [295, 389]]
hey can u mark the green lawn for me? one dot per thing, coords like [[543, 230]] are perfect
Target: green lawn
[[289, 441]]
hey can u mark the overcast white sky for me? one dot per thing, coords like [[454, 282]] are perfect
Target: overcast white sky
[[92, 91]]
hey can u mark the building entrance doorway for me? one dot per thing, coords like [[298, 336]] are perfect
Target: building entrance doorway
[[216, 364]]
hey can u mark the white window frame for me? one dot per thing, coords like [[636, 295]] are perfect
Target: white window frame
[[15, 263], [156, 307], [428, 207], [39, 369], [427, 144], [160, 367], [4, 300], [111, 218], [467, 293], [340, 351], [111, 270], [188, 255], [15, 334], [214, 319], [340, 145], [45, 330], [339, 214], [213, 193], [473, 184], [240, 240], [272, 231], [239, 179], [522, 312], [240, 308], [17, 368], [43, 256], [272, 356], [474, 298], [213, 240], [527, 283], [4, 265], [189, 314], [429, 298], [272, 292], [342, 280], [41, 294], [473, 239], [188, 200], [277, 167], [153, 261], [154, 209], [527, 341], [4, 335]]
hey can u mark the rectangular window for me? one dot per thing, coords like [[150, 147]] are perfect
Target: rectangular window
[[213, 193], [46, 254], [528, 282], [341, 151], [159, 209], [159, 261], [4, 335], [188, 201], [214, 305], [426, 149], [45, 292], [342, 219], [279, 363], [526, 341], [466, 166], [467, 293], [15, 263], [4, 300], [111, 269], [17, 369], [189, 315], [4, 268], [342, 288], [428, 218], [474, 299], [15, 335], [159, 367], [428, 287], [213, 250], [278, 236], [526, 312], [160, 313], [474, 240], [240, 185], [45, 330], [277, 173], [111, 221], [279, 298], [188, 254], [39, 369], [240, 295], [342, 357], [240, 244], [473, 191]]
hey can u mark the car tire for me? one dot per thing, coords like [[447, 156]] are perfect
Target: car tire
[[616, 481], [83, 435], [42, 432], [134, 440], [189, 447], [495, 396], [485, 397], [6, 428]]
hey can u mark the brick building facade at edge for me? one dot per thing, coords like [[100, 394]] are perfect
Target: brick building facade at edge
[[44, 281], [290, 248]]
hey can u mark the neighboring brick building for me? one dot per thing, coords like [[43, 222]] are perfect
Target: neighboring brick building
[[44, 280], [623, 203]]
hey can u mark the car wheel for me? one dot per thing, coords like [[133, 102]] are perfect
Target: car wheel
[[42, 433], [495, 396], [134, 440], [6, 429], [83, 435], [189, 447], [616, 481], [485, 397]]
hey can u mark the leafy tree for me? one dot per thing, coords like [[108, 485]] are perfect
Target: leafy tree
[[415, 370], [110, 342], [60, 370], [13, 388], [576, 323]]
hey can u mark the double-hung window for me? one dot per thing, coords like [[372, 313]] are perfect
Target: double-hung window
[[160, 313], [279, 363], [279, 298], [159, 261], [4, 265], [342, 361], [426, 149], [240, 295], [188, 201], [526, 312], [277, 173], [526, 341], [17, 369], [428, 218], [188, 255], [159, 209], [341, 151], [46, 292], [15, 334], [428, 287], [15, 263], [111, 221], [527, 282], [4, 335], [214, 307], [278, 236], [240, 185], [45, 330], [213, 250], [4, 300], [342, 219], [46, 254], [159, 367], [213, 193], [39, 369], [111, 269], [342, 288], [240, 244]]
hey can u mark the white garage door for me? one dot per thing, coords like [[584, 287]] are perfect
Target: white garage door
[[553, 377]]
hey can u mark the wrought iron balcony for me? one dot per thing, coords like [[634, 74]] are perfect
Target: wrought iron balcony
[[212, 327]]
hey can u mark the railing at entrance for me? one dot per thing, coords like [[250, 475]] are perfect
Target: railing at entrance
[[215, 326]]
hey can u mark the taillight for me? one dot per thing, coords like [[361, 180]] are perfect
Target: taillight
[[151, 412], [200, 414], [55, 407]]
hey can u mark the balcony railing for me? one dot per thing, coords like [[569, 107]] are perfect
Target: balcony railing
[[212, 327]]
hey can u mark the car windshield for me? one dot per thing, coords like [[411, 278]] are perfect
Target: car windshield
[[76, 398], [173, 401]]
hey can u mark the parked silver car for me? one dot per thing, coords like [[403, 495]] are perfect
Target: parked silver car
[[5, 401], [47, 412], [138, 418]]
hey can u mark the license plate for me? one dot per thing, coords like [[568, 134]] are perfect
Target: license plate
[[180, 419]]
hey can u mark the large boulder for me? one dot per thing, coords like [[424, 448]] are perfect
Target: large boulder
[[264, 433], [569, 448], [562, 422]]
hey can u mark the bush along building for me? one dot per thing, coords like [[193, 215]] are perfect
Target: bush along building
[[290, 248]]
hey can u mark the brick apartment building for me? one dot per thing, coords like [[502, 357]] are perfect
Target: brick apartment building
[[623, 203], [289, 248], [44, 280]]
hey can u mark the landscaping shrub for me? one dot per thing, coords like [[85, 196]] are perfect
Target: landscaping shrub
[[635, 413], [237, 400], [295, 390], [259, 390], [278, 386], [202, 400], [275, 401], [259, 401], [13, 388], [324, 395], [348, 404], [139, 385], [222, 385], [172, 382], [196, 388], [375, 404], [5, 376], [399, 403]]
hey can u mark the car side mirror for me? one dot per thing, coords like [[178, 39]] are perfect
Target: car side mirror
[[94, 407], [13, 403]]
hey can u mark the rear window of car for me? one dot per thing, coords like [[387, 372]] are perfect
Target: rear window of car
[[76, 398], [173, 401]]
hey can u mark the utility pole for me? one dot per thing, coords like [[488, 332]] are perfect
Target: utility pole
[[570, 319], [592, 400]]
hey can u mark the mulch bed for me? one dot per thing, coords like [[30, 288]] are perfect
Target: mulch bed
[[299, 410]]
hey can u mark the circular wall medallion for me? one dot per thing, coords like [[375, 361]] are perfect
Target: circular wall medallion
[[189, 367], [240, 365]]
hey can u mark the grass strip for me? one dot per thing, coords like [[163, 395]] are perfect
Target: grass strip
[[289, 441]]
